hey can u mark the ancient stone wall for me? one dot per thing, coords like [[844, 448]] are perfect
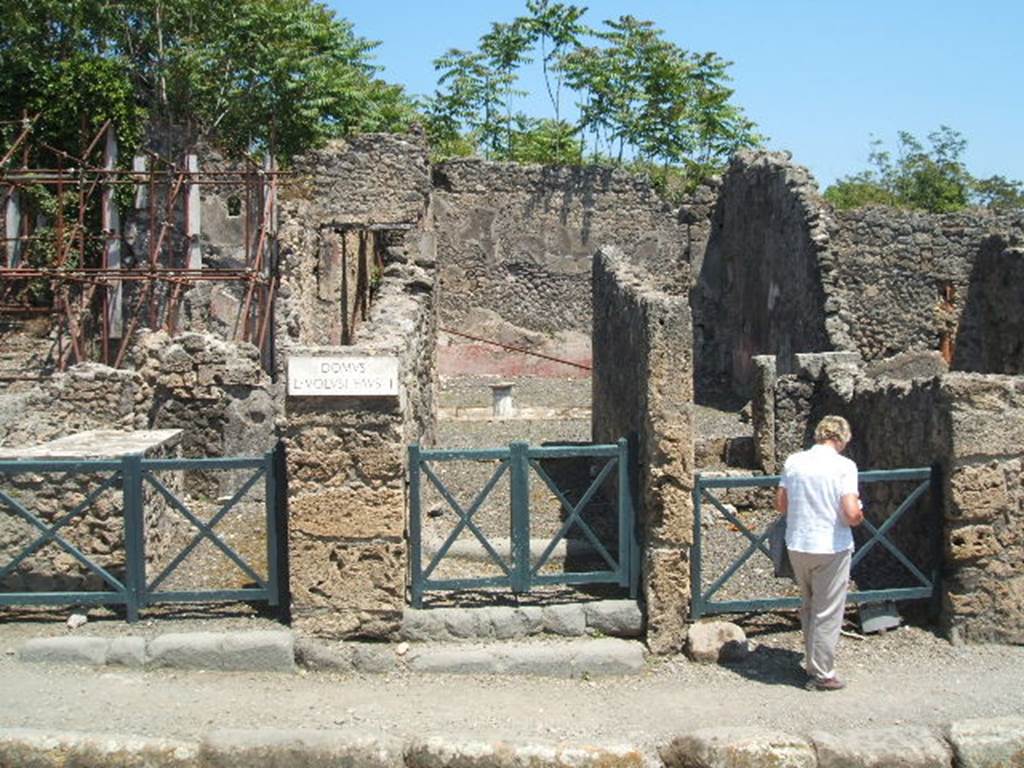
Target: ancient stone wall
[[518, 239], [902, 277], [642, 389], [991, 328], [969, 426], [762, 281], [346, 456]]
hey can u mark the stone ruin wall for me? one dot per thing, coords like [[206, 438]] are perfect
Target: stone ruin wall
[[516, 244], [971, 427], [642, 390], [759, 285], [346, 457]]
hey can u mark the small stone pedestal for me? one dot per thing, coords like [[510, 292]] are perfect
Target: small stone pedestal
[[501, 398]]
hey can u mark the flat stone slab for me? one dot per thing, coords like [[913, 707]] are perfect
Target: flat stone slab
[[994, 742], [264, 651], [910, 747], [738, 748], [615, 618], [97, 444], [297, 749], [571, 659], [442, 753], [41, 749]]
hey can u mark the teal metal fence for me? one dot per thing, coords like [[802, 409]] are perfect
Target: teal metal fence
[[925, 587], [128, 478], [519, 572]]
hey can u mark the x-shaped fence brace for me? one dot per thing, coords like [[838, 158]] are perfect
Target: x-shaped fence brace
[[878, 536], [48, 533], [205, 529]]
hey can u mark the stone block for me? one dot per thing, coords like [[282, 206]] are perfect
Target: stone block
[[903, 747], [978, 492], [667, 587], [716, 641], [84, 651], [566, 620], [617, 618], [996, 742], [262, 651], [358, 512], [374, 658], [30, 748], [362, 576], [972, 542], [438, 752], [454, 660], [421, 625], [738, 748], [314, 654], [297, 749], [127, 652]]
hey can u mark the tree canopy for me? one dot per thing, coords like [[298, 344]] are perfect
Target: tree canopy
[[244, 73], [639, 97], [932, 178]]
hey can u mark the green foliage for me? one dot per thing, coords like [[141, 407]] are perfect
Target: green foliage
[[243, 73], [641, 99], [933, 179]]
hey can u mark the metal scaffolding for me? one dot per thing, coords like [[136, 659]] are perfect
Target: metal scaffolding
[[69, 259]]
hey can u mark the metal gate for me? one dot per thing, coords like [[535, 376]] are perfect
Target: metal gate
[[519, 572], [136, 486], [925, 585]]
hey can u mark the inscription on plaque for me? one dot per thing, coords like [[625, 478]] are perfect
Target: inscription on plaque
[[343, 376]]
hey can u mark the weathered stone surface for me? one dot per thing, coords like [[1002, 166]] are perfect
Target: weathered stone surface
[[443, 753], [374, 658], [348, 575], [297, 749], [996, 742], [87, 651], [261, 651], [977, 492], [453, 660], [29, 748], [909, 747], [127, 652], [349, 512], [739, 748], [668, 588], [716, 641], [618, 618], [564, 620], [316, 654]]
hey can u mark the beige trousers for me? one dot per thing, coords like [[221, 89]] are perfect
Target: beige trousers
[[823, 580]]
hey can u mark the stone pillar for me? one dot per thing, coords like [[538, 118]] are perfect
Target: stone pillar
[[643, 388], [763, 412]]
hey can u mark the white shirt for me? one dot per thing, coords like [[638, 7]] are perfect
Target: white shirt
[[815, 480]]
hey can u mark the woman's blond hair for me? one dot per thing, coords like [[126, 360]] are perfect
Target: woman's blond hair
[[833, 428]]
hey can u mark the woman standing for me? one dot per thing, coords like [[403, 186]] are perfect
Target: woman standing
[[818, 495]]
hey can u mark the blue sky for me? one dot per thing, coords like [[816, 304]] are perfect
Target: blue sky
[[819, 78]]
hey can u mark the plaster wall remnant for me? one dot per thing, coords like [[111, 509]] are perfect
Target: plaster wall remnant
[[346, 456], [519, 239], [642, 390]]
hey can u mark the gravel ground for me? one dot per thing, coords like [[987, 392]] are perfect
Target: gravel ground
[[907, 676]]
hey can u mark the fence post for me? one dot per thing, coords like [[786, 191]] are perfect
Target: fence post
[[134, 535], [520, 499], [415, 531], [696, 607], [625, 517], [270, 467], [938, 527]]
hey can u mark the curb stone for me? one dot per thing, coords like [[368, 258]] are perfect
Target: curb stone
[[23, 747], [297, 749], [442, 753], [83, 651], [988, 743], [572, 659], [736, 747], [911, 747]]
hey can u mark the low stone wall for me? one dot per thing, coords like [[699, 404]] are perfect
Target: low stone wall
[[642, 389], [971, 427]]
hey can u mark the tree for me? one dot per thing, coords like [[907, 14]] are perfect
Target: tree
[[933, 179], [641, 98], [243, 73]]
